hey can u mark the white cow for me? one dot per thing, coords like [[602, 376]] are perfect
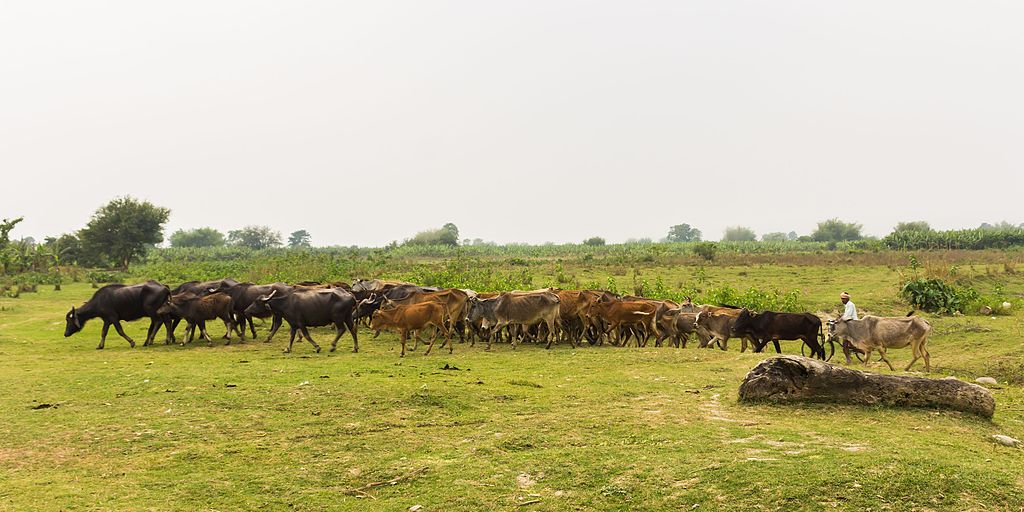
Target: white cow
[[882, 333]]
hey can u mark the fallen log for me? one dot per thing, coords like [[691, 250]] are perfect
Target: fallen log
[[799, 379]]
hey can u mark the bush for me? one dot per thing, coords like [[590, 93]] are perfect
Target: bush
[[705, 250], [937, 296], [594, 241]]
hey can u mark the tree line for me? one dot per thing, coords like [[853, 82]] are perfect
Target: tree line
[[126, 229]]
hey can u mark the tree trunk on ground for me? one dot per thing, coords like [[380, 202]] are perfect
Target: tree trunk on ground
[[799, 379]]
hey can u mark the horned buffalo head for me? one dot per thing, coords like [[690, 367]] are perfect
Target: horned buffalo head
[[73, 324]]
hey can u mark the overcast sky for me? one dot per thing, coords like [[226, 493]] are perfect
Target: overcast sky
[[364, 122]]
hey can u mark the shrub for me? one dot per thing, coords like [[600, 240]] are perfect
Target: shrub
[[705, 250], [937, 296]]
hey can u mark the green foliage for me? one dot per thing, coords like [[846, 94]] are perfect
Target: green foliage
[[937, 296], [777, 236], [594, 241], [705, 250], [971, 239], [447, 235], [299, 238], [199, 237], [122, 231], [739, 234], [917, 225], [835, 230], [753, 298], [683, 233], [255, 237]]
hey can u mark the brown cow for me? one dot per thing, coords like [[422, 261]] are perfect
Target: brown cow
[[714, 324], [621, 313], [677, 324], [413, 317], [457, 302]]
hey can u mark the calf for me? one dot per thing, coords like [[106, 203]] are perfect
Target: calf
[[714, 324], [196, 310], [676, 324], [882, 333], [413, 317]]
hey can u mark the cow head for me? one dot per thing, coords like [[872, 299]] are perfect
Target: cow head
[[73, 324], [261, 305], [367, 307], [742, 322]]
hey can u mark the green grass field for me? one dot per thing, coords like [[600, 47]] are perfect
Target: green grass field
[[598, 428]]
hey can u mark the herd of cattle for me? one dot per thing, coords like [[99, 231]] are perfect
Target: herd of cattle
[[548, 315]]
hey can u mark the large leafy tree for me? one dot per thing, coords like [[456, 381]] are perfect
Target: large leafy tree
[[446, 235], [683, 233], [122, 230], [6, 254], [255, 237], [199, 237], [739, 234], [917, 225], [835, 230], [300, 238]]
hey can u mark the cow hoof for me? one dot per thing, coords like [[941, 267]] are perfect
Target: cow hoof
[[287, 351], [318, 350], [131, 344]]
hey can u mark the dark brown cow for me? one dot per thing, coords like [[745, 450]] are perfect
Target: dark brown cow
[[413, 317], [773, 326], [196, 310]]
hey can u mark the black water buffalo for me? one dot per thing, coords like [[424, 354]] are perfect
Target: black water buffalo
[[244, 295], [311, 308], [116, 302], [772, 326]]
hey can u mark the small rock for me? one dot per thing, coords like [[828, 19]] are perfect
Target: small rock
[[230, 385], [1006, 305], [1006, 440], [988, 381], [524, 480], [415, 508], [985, 310], [304, 383]]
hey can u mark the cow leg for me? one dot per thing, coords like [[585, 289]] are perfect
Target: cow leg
[[103, 335], [355, 335], [305, 332], [432, 339], [149, 333], [229, 323], [274, 326], [375, 334], [778, 348], [204, 334], [405, 336], [917, 354], [340, 327], [881, 353], [120, 331], [291, 339], [927, 356], [170, 332], [415, 340]]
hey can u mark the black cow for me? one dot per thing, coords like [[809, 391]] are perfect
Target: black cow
[[244, 295], [116, 302], [772, 326], [311, 308]]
